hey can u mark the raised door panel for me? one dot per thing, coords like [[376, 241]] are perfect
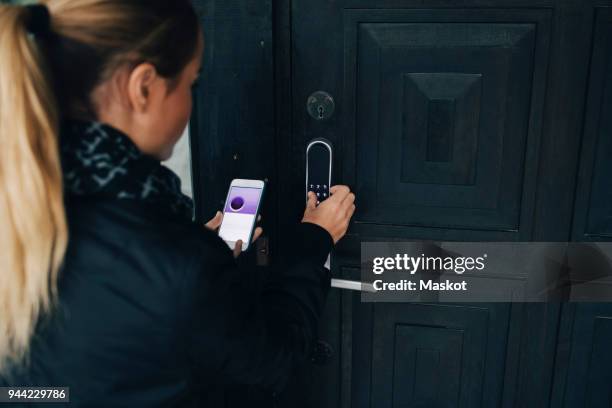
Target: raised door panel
[[593, 213], [443, 132], [433, 355], [584, 378]]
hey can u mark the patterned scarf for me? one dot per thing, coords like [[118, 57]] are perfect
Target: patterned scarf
[[99, 160]]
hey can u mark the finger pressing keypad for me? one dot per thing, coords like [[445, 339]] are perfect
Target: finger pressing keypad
[[321, 190]]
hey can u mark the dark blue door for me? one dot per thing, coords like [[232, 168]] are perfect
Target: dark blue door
[[439, 123], [454, 120]]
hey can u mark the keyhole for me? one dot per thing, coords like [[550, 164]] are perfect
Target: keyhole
[[320, 105]]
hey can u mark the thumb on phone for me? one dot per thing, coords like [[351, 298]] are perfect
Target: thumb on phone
[[237, 248]]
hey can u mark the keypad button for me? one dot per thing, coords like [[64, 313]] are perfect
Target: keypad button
[[321, 190]]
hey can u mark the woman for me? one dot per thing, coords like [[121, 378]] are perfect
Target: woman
[[106, 286]]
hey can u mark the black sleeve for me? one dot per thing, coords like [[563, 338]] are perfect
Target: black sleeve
[[241, 336]]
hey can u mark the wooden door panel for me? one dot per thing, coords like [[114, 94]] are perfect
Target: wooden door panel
[[593, 219], [232, 137], [433, 355], [583, 377], [446, 103]]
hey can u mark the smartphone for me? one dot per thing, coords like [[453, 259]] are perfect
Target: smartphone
[[240, 211]]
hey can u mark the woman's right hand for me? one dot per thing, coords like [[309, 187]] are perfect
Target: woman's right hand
[[332, 214]]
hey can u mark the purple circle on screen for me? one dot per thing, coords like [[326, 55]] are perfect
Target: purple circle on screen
[[237, 203]]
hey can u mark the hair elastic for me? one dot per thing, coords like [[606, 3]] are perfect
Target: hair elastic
[[39, 19]]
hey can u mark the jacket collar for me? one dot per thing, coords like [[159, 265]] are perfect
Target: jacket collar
[[100, 161]]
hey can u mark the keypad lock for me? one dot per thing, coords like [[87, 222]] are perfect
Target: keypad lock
[[318, 168], [319, 155], [322, 191]]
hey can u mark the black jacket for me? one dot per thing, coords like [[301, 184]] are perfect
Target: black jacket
[[154, 310]]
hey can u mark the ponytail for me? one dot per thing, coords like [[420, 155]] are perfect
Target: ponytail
[[33, 234], [76, 45]]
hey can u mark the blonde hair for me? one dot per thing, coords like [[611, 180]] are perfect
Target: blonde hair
[[45, 79]]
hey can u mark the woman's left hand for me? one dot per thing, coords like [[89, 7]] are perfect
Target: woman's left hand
[[215, 223]]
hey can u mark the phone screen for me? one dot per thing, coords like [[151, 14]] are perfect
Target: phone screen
[[239, 214]]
